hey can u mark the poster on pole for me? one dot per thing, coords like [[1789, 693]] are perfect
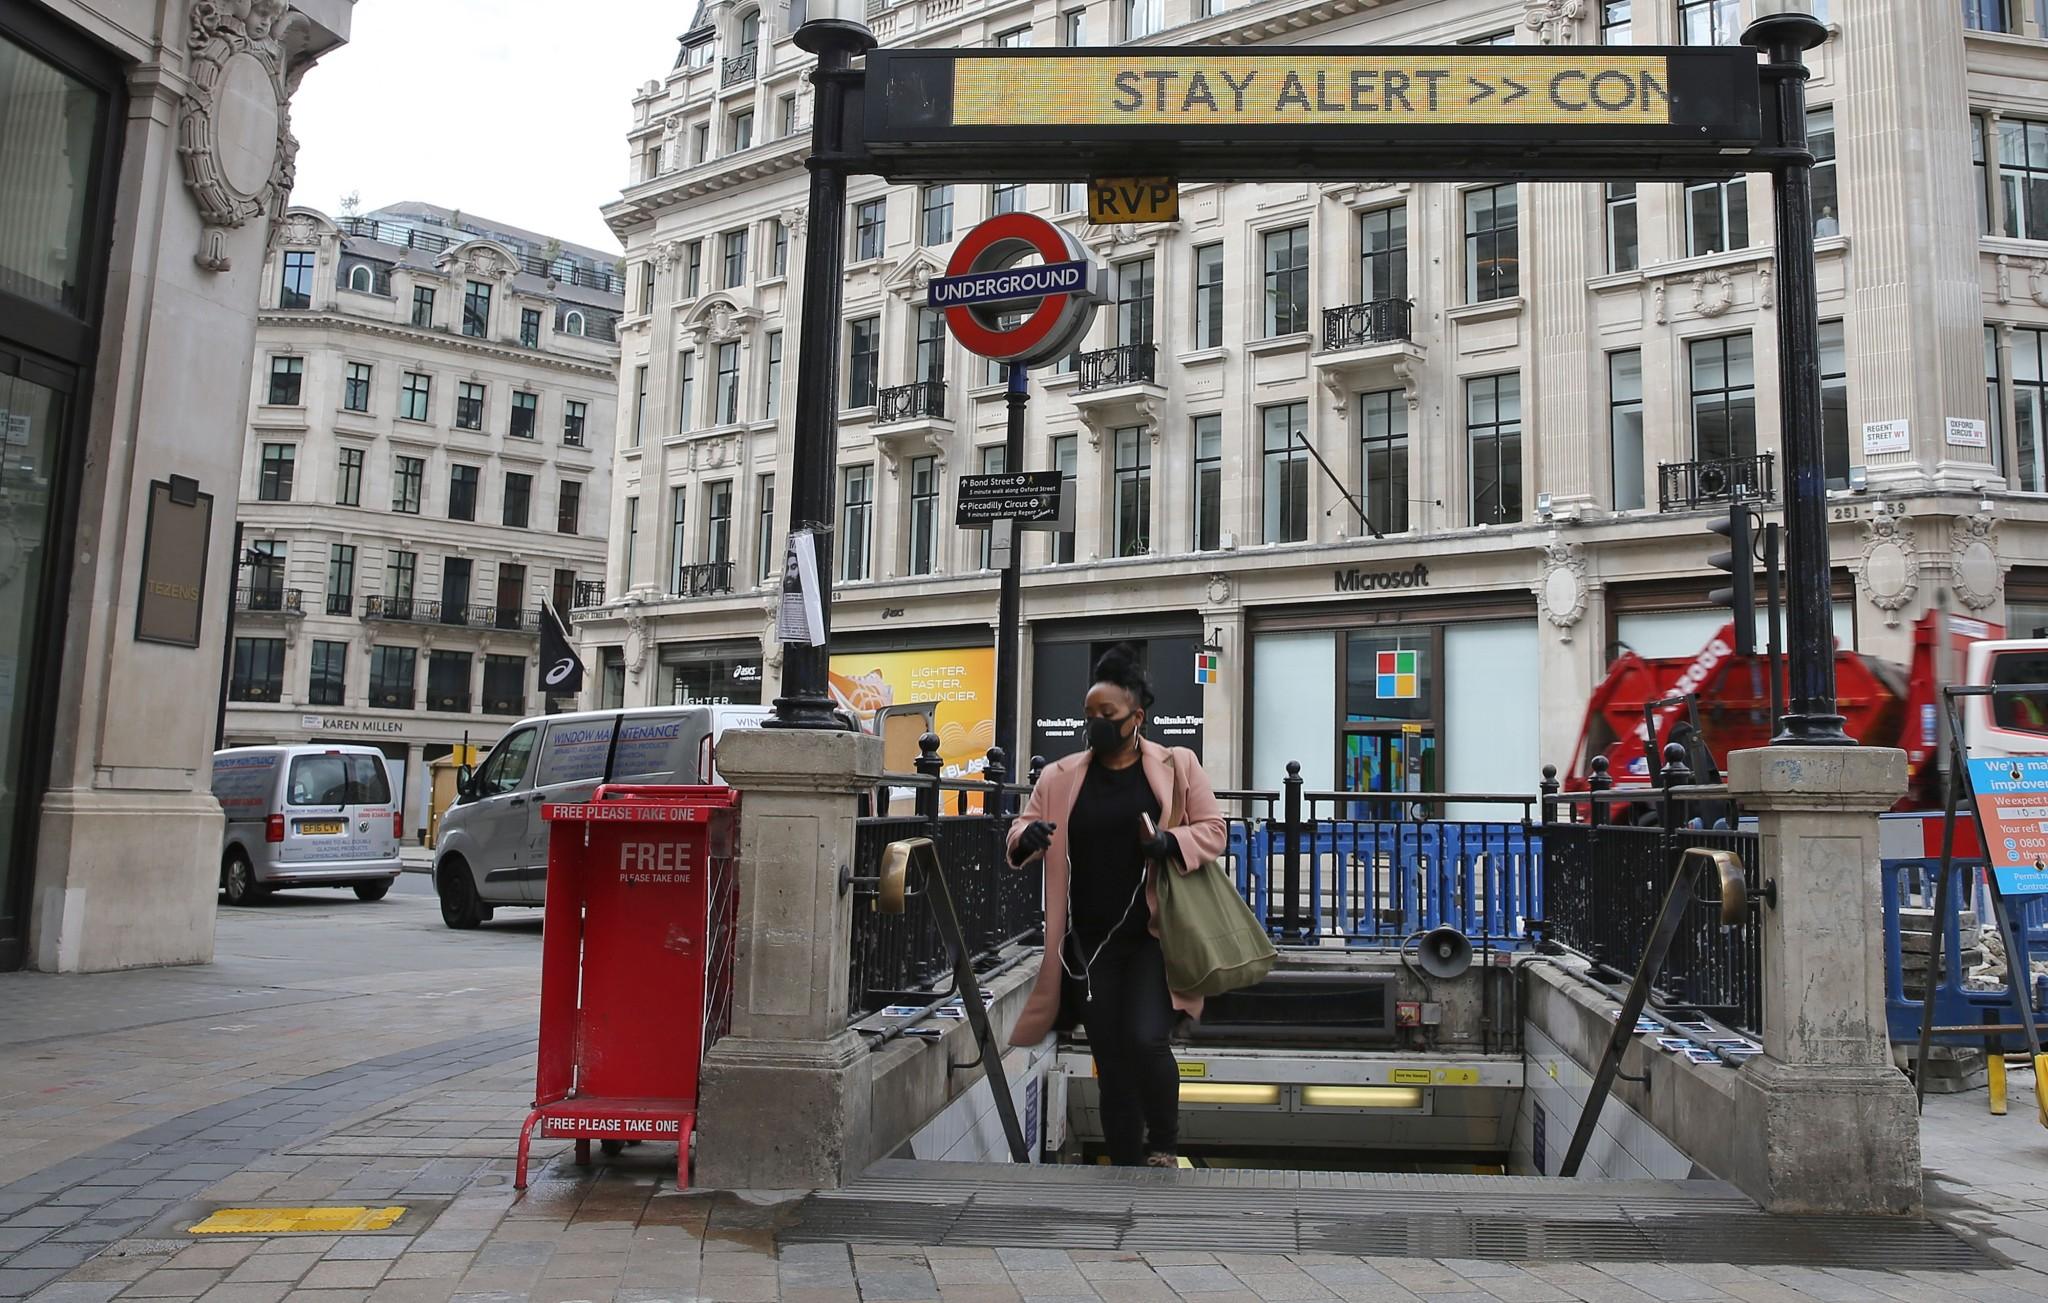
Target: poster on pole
[[801, 616], [2012, 806]]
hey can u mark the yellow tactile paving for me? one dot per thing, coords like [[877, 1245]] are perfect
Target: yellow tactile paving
[[331, 1220]]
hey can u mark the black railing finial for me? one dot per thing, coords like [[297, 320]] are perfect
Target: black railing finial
[[1677, 765], [1549, 788], [1037, 768]]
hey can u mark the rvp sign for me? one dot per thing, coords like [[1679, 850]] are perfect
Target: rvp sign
[[1133, 199]]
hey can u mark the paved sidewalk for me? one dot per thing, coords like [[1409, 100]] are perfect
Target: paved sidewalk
[[362, 1054]]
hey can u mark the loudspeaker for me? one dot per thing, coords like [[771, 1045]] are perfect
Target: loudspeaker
[[1445, 953]]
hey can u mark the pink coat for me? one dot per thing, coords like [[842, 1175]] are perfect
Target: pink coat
[[1199, 828]]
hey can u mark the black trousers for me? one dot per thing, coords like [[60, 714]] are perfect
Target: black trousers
[[1129, 1017]]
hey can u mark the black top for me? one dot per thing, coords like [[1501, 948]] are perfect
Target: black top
[[1106, 868]]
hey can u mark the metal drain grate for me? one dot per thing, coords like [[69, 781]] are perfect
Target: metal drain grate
[[1506, 1219]]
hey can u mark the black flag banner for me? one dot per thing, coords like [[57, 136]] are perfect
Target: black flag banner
[[561, 673]]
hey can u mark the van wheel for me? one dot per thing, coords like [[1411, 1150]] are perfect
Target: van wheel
[[373, 890], [461, 908], [238, 880]]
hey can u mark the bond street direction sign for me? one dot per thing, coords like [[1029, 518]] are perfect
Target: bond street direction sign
[[1010, 285], [1202, 113], [1025, 497]]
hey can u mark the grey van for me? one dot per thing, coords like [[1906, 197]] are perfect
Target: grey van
[[306, 816], [492, 845]]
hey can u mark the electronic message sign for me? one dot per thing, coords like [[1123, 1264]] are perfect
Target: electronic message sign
[[1558, 113]]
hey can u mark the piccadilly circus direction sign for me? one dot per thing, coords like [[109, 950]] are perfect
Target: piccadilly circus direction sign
[[990, 278]]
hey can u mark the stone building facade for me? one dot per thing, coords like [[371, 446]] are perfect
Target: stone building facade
[[1468, 433], [429, 458]]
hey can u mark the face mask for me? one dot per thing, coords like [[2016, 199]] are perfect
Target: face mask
[[1106, 737]]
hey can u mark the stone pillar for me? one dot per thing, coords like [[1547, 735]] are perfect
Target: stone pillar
[[1832, 1125], [784, 1101], [1563, 456]]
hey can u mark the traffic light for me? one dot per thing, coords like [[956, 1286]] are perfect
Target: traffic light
[[1740, 563]]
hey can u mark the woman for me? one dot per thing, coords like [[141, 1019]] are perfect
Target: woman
[[1088, 818]]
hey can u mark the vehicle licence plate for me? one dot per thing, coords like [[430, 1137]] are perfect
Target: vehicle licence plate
[[322, 827]]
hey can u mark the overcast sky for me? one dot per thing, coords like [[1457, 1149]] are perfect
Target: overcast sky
[[511, 109]]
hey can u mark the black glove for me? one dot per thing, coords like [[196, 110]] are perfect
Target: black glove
[[1037, 835], [1161, 845]]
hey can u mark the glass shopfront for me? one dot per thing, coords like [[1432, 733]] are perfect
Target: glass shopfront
[[1062, 671], [712, 674]]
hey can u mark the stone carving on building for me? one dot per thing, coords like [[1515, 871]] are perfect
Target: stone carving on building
[[636, 647], [1411, 385], [719, 320], [1219, 589], [1713, 293], [1974, 569], [234, 125], [1562, 587], [1766, 291], [299, 229], [909, 277], [795, 220], [1888, 569], [2004, 278], [2037, 282], [1555, 22], [1657, 309], [671, 142]]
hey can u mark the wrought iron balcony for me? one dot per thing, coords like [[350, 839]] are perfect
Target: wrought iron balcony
[[922, 401], [1382, 321], [589, 592], [705, 579], [739, 68], [270, 601], [1126, 364], [1682, 485], [401, 610], [340, 604]]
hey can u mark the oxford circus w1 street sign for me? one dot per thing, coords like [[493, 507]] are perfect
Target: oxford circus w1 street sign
[[990, 282]]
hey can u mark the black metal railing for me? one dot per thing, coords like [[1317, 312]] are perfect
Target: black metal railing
[[275, 601], [737, 69], [402, 610], [1685, 484], [589, 592], [1382, 321], [408, 610], [340, 604], [1126, 364], [704, 579], [925, 399]]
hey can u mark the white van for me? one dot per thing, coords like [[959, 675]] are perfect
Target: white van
[[492, 845], [306, 816]]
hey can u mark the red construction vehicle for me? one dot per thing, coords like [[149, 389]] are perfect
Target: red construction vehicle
[[1730, 697]]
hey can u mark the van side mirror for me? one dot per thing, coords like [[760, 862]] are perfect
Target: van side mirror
[[465, 781]]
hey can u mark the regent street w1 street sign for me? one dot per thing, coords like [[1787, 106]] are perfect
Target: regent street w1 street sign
[[1196, 113]]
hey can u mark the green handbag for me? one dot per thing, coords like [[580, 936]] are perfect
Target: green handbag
[[1212, 941]]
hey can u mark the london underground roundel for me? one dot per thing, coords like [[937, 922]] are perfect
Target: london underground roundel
[[993, 276]]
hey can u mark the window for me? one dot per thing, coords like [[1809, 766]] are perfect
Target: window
[[355, 388], [572, 423], [1143, 17], [568, 507], [1132, 474], [700, 137], [1617, 22], [1006, 198], [718, 522], [995, 459], [361, 279], [764, 527], [287, 379], [525, 414], [735, 243], [565, 590], [2023, 177], [1623, 243], [1493, 426], [469, 406], [646, 288], [1072, 25], [1134, 303], [1016, 38], [448, 681], [1492, 245], [423, 306], [455, 575], [702, 54], [785, 116], [1834, 404], [518, 499], [678, 538], [935, 214], [529, 327], [391, 677], [611, 690], [1491, 38], [327, 678], [400, 571], [1716, 216], [1286, 478], [869, 233], [727, 395], [297, 290], [1065, 460], [1208, 502], [639, 405], [1383, 253], [856, 507], [266, 572], [1383, 455], [1625, 427], [1820, 134], [2030, 409], [771, 398], [632, 541], [462, 482], [1069, 197], [1286, 270], [1994, 398], [476, 310], [505, 689], [1986, 16], [686, 391], [511, 603], [274, 481], [864, 342], [693, 268], [742, 133], [1723, 398], [1709, 22], [414, 396], [931, 345], [572, 324], [924, 514], [259, 670], [341, 579], [408, 477], [348, 479], [1209, 296], [778, 245]]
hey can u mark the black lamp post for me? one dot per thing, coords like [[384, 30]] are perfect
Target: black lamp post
[[836, 32], [251, 559], [1812, 718]]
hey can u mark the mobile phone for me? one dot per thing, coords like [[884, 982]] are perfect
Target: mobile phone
[[1145, 824]]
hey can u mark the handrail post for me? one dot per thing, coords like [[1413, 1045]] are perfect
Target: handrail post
[[996, 775], [1549, 787], [1600, 781], [929, 767], [1290, 852]]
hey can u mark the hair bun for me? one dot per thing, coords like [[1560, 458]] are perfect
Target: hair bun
[[1119, 665]]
